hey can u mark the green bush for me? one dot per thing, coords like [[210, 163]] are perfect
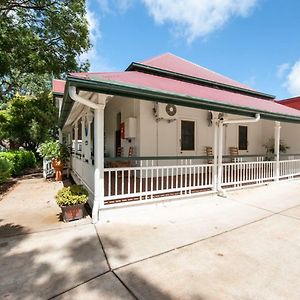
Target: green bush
[[54, 150], [5, 169], [20, 160], [71, 195]]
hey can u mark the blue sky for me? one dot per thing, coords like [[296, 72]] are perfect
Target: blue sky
[[256, 42]]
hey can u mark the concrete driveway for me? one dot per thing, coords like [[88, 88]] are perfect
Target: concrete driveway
[[245, 246]]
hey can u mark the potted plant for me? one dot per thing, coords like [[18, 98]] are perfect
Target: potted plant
[[270, 148], [71, 200], [58, 154]]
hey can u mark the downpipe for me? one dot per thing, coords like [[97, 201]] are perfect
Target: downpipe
[[220, 191]]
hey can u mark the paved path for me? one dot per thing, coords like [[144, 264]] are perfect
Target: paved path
[[245, 246]]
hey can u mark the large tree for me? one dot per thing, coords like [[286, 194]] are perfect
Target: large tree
[[28, 121], [39, 39]]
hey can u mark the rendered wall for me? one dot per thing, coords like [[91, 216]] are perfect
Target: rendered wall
[[128, 108], [162, 138]]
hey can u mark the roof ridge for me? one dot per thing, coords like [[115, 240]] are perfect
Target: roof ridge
[[157, 56]]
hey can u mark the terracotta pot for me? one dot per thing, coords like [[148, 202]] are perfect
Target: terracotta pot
[[58, 167], [73, 212]]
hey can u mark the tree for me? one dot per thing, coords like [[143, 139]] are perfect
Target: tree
[[40, 39], [28, 121]]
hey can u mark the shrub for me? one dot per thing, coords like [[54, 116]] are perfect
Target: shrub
[[54, 150], [5, 169], [72, 195], [20, 160]]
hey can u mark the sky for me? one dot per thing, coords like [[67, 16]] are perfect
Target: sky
[[256, 42]]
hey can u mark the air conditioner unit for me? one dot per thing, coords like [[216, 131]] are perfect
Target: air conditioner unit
[[165, 111]]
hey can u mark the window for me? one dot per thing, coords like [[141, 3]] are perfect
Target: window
[[187, 135], [243, 138]]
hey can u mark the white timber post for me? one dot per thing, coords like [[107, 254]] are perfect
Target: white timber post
[[98, 162], [89, 118], [215, 152], [220, 158], [60, 135], [76, 138], [277, 149], [83, 138]]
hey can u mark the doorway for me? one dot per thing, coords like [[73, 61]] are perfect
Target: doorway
[[118, 136]]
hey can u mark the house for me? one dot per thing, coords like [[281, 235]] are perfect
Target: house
[[168, 128]]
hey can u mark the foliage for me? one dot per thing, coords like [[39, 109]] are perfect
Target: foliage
[[270, 145], [40, 39], [54, 150], [28, 121], [20, 160], [5, 169], [71, 195]]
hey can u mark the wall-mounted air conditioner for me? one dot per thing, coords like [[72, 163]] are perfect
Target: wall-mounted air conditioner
[[165, 111]]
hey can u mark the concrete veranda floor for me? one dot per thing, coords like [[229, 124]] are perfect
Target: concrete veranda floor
[[245, 246]]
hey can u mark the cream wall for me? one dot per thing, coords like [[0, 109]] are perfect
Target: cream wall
[[128, 108], [162, 137]]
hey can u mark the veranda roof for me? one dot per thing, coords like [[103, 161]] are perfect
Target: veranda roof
[[213, 92]]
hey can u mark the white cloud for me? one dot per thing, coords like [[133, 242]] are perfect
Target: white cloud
[[95, 37], [97, 61], [282, 69], [197, 18], [293, 80]]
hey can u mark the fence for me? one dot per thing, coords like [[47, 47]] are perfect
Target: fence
[[148, 182]]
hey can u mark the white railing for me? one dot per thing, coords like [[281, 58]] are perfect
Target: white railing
[[142, 183], [289, 168], [239, 173], [48, 170], [84, 171]]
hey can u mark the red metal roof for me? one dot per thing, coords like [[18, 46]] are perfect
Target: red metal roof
[[170, 62], [58, 86], [173, 63], [153, 82], [291, 102]]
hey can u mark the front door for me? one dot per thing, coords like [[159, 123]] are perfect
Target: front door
[[118, 143]]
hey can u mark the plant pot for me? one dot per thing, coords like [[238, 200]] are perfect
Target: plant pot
[[58, 167], [73, 212]]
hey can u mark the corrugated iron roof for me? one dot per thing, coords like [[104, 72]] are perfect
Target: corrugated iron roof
[[148, 84], [58, 86], [157, 83], [173, 63]]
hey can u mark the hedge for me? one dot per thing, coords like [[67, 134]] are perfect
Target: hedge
[[20, 160], [5, 169]]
